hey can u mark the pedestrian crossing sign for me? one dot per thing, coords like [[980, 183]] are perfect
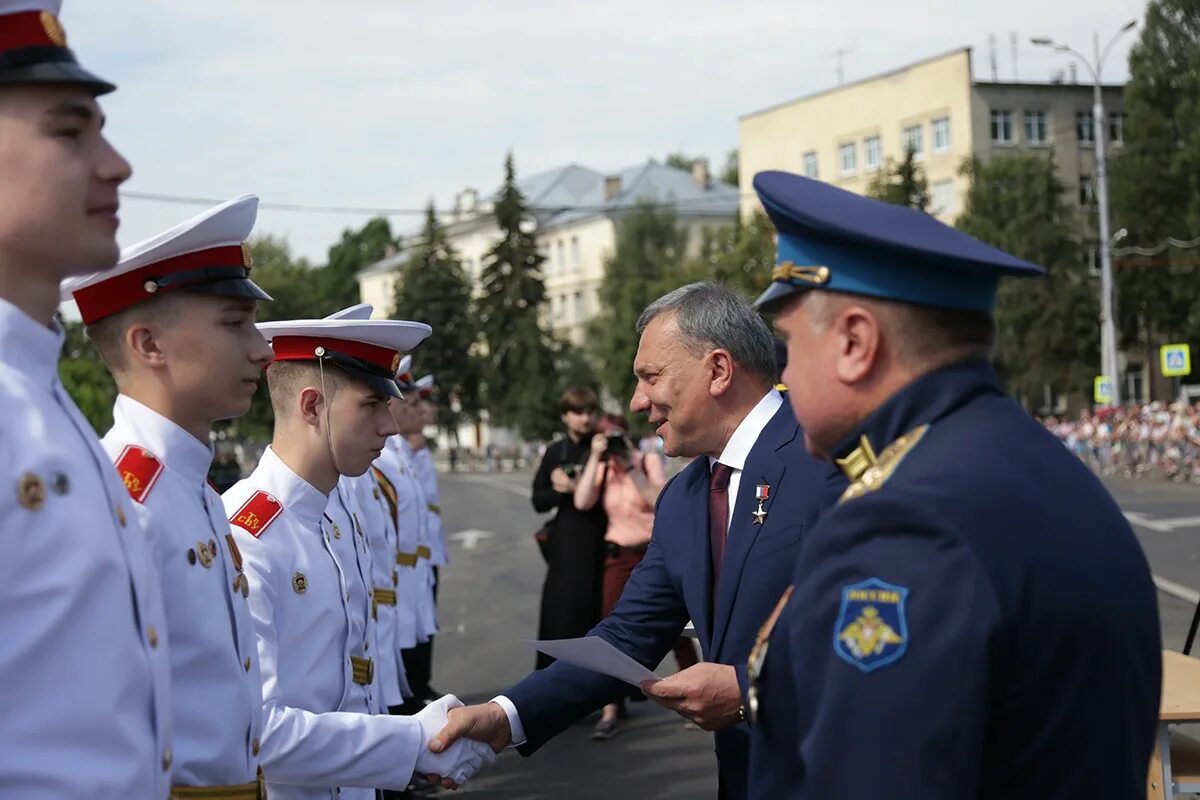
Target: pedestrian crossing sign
[[1175, 359], [1103, 391]]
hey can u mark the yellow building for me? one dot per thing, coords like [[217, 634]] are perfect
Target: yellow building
[[846, 134]]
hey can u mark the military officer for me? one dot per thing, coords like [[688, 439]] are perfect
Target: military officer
[[974, 618], [174, 322], [83, 644], [329, 384]]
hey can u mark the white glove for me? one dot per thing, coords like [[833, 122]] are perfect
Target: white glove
[[458, 762]]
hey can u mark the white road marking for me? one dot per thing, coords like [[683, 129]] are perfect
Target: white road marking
[[497, 483], [1161, 525], [471, 537]]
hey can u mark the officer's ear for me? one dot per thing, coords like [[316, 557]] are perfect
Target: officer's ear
[[719, 364], [859, 337], [310, 405]]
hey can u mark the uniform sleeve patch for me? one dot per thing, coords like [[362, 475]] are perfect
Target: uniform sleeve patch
[[256, 514], [139, 469], [871, 629]]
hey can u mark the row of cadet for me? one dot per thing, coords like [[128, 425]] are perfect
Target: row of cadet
[[152, 649], [311, 609]]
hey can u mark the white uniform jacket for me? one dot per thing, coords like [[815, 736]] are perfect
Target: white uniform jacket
[[84, 666], [316, 729], [422, 461], [375, 506], [415, 547], [354, 555], [215, 683]]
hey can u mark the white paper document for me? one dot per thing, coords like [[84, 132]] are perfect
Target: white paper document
[[596, 654]]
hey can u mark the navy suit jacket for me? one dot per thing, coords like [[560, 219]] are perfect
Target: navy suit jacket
[[673, 583]]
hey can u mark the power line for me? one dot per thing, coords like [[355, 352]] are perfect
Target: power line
[[1182, 244]]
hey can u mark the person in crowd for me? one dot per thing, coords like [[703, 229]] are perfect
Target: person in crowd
[[574, 540]]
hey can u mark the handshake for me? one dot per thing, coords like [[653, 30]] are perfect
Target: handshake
[[447, 757]]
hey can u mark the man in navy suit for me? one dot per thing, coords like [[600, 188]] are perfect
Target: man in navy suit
[[726, 533]]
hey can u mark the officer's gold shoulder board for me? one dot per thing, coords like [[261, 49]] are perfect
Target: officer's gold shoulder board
[[885, 465], [256, 514], [139, 469]]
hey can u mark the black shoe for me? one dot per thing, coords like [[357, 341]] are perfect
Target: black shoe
[[605, 729]]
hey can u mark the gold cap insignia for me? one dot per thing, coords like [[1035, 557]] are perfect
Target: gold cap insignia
[[299, 583], [395, 363], [247, 256], [787, 271], [31, 492], [54, 29]]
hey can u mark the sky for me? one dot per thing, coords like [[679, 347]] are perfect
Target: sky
[[392, 103]]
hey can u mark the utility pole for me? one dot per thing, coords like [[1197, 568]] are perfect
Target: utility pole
[[1108, 325]]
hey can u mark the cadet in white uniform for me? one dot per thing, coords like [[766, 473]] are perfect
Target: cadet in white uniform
[[83, 648], [427, 474], [329, 384], [174, 322]]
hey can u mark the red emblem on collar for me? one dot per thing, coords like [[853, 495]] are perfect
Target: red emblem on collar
[[256, 514], [139, 469]]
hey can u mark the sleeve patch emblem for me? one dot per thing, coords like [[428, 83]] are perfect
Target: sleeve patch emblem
[[871, 629]]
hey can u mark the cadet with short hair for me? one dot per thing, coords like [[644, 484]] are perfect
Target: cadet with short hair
[[310, 571], [83, 652], [174, 322], [974, 618]]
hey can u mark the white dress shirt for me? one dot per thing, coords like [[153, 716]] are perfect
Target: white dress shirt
[[215, 683], [736, 451], [84, 661], [318, 733]]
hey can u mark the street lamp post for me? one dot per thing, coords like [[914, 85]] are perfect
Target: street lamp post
[[1108, 327]]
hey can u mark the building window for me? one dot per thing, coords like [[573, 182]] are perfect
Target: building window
[[1116, 127], [849, 158], [914, 140], [941, 135], [1087, 191], [1002, 126], [810, 165], [1035, 127], [575, 250], [873, 152], [1085, 131], [942, 199], [562, 253], [579, 310]]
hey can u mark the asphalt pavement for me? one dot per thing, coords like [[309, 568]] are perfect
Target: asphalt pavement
[[489, 603]]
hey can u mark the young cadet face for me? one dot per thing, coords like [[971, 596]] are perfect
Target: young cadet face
[[361, 424], [58, 205], [429, 412], [410, 417], [214, 354]]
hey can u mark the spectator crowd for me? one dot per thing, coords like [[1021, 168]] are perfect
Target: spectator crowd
[[1157, 438]]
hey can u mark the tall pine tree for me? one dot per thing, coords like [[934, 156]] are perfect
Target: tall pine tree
[[433, 288], [1155, 190], [646, 262], [521, 387], [1047, 328], [902, 184]]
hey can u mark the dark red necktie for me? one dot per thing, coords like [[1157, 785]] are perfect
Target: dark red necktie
[[718, 516]]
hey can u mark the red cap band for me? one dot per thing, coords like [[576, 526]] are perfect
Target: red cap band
[[303, 348], [129, 288], [30, 29]]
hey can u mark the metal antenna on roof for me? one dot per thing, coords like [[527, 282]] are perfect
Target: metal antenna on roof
[[1013, 41], [992, 55], [839, 54]]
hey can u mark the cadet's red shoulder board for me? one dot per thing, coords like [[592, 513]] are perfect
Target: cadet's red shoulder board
[[256, 514], [139, 469]]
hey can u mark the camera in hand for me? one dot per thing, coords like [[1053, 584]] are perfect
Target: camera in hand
[[570, 469], [618, 445]]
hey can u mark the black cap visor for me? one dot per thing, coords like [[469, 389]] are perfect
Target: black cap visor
[[377, 379], [51, 66], [230, 287]]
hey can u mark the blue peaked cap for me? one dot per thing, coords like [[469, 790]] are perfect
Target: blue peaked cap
[[839, 241]]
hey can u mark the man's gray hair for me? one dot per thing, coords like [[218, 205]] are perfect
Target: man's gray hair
[[710, 316]]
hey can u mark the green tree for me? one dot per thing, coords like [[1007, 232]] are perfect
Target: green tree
[[730, 173], [902, 184], [740, 256], [521, 385], [86, 378], [646, 261], [433, 288], [1047, 330], [1155, 191], [357, 249]]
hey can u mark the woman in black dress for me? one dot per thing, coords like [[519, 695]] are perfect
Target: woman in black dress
[[571, 596]]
